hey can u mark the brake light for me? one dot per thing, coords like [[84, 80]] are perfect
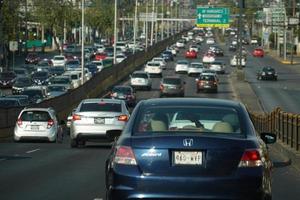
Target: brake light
[[161, 87], [123, 118], [19, 122], [251, 158], [76, 117], [125, 156], [50, 123]]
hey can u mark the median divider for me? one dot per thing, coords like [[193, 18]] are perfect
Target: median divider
[[95, 87]]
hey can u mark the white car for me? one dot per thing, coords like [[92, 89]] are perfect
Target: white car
[[182, 66], [99, 64], [254, 41], [140, 79], [122, 45], [210, 41], [37, 123], [195, 68], [199, 38], [153, 68], [208, 58], [120, 58], [234, 61], [218, 67], [75, 76], [162, 62], [180, 44], [100, 48], [87, 74], [194, 48], [59, 60], [186, 38]]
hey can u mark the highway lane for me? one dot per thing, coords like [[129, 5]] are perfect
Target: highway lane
[[55, 171]]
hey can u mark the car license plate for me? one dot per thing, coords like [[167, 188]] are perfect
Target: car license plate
[[34, 127], [99, 120], [206, 86], [187, 158]]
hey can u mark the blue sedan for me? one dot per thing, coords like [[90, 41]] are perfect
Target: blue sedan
[[190, 148]]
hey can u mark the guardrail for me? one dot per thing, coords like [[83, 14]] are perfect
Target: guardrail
[[96, 86], [285, 125]]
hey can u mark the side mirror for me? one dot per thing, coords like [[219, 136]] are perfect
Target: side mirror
[[113, 134], [268, 138]]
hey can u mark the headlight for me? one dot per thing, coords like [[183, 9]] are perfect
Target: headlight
[[263, 73]]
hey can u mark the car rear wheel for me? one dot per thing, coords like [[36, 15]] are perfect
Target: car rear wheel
[[74, 143]]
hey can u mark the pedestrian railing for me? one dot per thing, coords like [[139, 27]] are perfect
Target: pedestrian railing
[[285, 125]]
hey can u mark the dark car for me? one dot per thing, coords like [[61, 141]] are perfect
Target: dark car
[[40, 78], [32, 58], [7, 79], [20, 84], [23, 99], [267, 73], [35, 94], [167, 55], [45, 62], [56, 71], [72, 64], [172, 86], [125, 93], [232, 47], [189, 148], [21, 72], [8, 102], [92, 68], [207, 82]]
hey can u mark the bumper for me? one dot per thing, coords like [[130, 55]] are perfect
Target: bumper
[[31, 135], [126, 186], [92, 132]]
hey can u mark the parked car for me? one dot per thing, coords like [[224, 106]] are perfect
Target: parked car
[[125, 93], [207, 82], [172, 86], [7, 79], [182, 66], [187, 147], [258, 52], [195, 68], [37, 123], [140, 80], [20, 84], [267, 73], [97, 119], [32, 58]]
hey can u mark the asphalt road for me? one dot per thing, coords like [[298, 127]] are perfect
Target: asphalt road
[[36, 171]]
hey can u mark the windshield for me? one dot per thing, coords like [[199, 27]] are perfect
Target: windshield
[[122, 90]]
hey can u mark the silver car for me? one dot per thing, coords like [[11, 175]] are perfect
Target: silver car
[[37, 123], [97, 119], [140, 79]]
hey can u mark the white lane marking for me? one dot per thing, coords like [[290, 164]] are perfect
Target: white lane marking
[[32, 151], [98, 199]]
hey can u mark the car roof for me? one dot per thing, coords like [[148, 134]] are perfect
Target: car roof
[[172, 77], [191, 102], [38, 109], [97, 100]]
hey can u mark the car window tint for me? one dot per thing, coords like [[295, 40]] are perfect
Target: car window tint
[[141, 75], [123, 90], [173, 81], [40, 116], [207, 78], [100, 106], [192, 120]]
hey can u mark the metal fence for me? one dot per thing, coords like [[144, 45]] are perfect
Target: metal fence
[[95, 87], [285, 125]]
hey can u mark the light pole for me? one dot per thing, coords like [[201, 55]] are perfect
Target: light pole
[[152, 22], [135, 26], [82, 41], [115, 33], [162, 20], [146, 28]]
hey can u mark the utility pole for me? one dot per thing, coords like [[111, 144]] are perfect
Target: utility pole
[[135, 26], [156, 24], [115, 33], [146, 34], [26, 25], [152, 22], [240, 71], [1, 39], [82, 42], [162, 20]]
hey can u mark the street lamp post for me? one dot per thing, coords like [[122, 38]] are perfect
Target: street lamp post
[[135, 26], [152, 22], [146, 28], [82, 42], [115, 33], [162, 20]]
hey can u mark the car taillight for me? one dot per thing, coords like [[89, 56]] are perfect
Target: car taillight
[[251, 158], [201, 82], [125, 156], [76, 117], [123, 118], [50, 123], [161, 87], [19, 122]]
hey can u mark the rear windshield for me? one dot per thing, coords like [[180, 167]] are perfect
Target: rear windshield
[[139, 75], [207, 77], [153, 64], [182, 62], [123, 90], [32, 93], [191, 120], [59, 58], [40, 116], [60, 81], [173, 81], [100, 106]]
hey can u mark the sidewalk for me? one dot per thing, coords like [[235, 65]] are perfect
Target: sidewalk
[[274, 54]]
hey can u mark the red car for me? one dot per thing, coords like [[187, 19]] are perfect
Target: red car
[[191, 54], [32, 58], [100, 56], [258, 52]]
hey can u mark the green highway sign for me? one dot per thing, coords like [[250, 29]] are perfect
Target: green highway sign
[[213, 17]]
